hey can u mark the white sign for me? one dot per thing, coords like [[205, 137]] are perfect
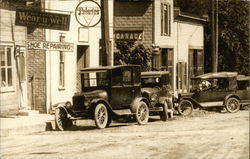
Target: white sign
[[88, 13], [53, 46]]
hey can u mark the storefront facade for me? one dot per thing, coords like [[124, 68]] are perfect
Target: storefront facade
[[62, 68], [176, 40]]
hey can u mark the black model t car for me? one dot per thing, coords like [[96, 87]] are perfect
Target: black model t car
[[107, 93], [156, 88], [219, 90]]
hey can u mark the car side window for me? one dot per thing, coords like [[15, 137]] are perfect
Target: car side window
[[117, 77], [136, 76], [126, 77]]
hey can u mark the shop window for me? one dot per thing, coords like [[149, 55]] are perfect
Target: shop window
[[62, 65], [7, 60], [165, 19], [196, 63], [167, 62], [62, 68]]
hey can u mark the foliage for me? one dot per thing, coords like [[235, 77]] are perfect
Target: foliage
[[233, 32], [129, 53]]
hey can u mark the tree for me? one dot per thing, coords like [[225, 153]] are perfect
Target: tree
[[233, 32], [129, 53]]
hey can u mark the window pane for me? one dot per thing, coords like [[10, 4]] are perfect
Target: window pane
[[126, 77], [2, 56], [3, 77], [10, 77], [9, 63]]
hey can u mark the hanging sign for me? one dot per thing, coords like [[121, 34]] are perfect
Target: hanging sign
[[88, 13], [42, 19], [52, 46]]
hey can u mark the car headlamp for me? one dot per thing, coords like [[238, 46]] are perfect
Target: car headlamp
[[153, 97], [68, 104]]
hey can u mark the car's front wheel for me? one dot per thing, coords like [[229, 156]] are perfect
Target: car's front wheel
[[185, 108], [142, 113], [101, 116], [61, 119], [232, 105]]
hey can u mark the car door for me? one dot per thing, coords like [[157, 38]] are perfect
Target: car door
[[122, 91]]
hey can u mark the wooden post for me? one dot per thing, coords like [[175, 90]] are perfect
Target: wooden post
[[214, 28], [106, 57]]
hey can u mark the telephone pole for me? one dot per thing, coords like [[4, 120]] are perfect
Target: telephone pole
[[106, 57], [215, 35]]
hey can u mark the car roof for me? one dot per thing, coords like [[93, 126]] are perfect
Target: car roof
[[217, 75], [107, 67], [153, 74], [243, 78]]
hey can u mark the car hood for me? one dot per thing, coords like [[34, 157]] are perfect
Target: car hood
[[150, 90], [93, 94]]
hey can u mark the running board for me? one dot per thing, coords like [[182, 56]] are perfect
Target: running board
[[211, 104]]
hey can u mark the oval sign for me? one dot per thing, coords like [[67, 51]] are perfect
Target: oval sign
[[88, 13]]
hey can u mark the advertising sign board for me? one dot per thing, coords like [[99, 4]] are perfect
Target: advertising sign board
[[42, 19], [88, 13], [52, 46]]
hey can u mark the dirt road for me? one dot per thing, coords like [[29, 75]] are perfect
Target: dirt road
[[212, 136]]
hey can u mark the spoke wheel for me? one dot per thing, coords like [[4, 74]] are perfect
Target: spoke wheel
[[61, 119], [185, 108], [232, 105], [101, 116], [142, 113], [164, 113]]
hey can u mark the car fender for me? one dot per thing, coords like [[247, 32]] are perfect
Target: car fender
[[68, 111], [136, 102], [193, 101], [163, 99], [229, 96], [106, 103]]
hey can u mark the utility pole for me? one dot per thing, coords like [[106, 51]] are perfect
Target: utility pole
[[106, 57], [214, 28]]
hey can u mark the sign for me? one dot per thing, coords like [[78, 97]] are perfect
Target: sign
[[52, 46], [129, 35], [42, 19], [88, 13]]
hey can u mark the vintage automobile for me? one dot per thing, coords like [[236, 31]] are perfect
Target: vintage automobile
[[213, 90], [107, 93], [156, 88], [243, 90]]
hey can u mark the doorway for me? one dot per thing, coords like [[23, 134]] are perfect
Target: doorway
[[82, 62]]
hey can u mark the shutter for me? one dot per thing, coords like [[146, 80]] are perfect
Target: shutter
[[169, 19], [200, 62], [162, 14]]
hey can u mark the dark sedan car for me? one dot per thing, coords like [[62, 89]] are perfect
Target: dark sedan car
[[219, 90], [108, 93], [156, 88]]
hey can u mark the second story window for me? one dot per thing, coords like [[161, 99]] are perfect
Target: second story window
[[165, 19]]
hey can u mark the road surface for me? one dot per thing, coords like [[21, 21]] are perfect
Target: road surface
[[209, 136]]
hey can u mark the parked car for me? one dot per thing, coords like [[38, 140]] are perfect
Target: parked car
[[219, 90], [107, 93], [243, 90], [156, 88]]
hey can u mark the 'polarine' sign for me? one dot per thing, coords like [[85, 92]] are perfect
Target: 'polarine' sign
[[88, 13], [42, 19]]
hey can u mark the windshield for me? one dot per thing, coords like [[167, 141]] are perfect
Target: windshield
[[95, 79], [155, 81]]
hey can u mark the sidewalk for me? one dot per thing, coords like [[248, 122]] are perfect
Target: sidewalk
[[19, 125]]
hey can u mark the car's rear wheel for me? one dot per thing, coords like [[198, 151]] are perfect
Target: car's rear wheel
[[232, 105], [142, 113], [164, 113], [101, 116], [185, 108], [61, 119]]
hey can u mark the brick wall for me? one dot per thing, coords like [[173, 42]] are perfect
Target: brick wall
[[135, 14], [36, 71]]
